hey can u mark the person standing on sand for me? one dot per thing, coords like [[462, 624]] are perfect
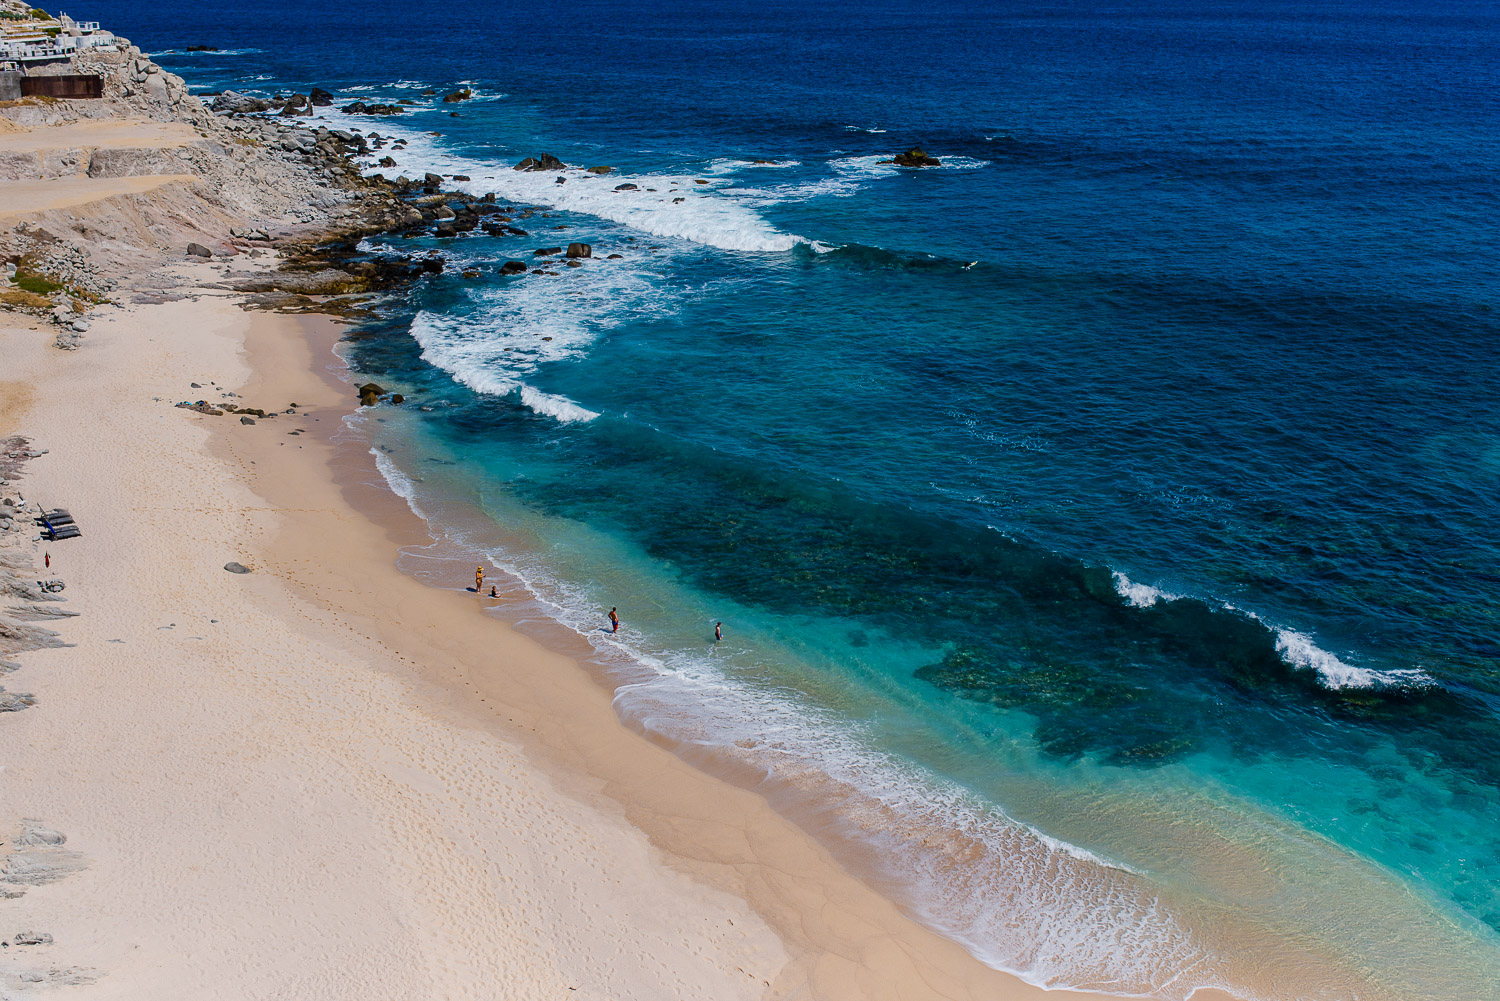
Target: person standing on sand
[[479, 580], [614, 620], [47, 560], [718, 631]]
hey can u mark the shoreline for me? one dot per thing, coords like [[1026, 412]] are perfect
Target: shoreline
[[563, 715], [338, 626]]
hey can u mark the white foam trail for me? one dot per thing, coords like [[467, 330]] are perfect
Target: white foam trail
[[1140, 595], [1299, 650], [556, 406], [664, 205], [504, 335], [400, 484]]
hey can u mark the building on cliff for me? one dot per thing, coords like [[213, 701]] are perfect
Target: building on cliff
[[32, 42]]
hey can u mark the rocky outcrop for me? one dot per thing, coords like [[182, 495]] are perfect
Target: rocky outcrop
[[233, 103], [580, 250], [916, 157], [320, 98], [458, 95], [545, 162]]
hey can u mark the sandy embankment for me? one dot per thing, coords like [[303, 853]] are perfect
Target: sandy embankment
[[327, 780]]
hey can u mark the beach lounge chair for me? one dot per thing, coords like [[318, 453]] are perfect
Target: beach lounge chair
[[58, 524]]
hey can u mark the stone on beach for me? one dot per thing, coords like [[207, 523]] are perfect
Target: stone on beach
[[198, 250], [234, 567]]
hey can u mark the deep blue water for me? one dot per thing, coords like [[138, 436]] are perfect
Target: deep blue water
[[1131, 477]]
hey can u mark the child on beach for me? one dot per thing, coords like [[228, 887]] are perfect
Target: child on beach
[[614, 621], [493, 592]]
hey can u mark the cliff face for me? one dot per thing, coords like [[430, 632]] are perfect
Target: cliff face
[[133, 177]]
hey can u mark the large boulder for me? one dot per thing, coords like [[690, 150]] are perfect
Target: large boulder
[[458, 95], [513, 268], [916, 157], [580, 250], [198, 250], [320, 97], [233, 103]]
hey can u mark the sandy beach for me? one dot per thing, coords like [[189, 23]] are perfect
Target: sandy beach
[[325, 779], [320, 778]]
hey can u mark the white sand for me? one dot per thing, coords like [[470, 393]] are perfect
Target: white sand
[[262, 811]]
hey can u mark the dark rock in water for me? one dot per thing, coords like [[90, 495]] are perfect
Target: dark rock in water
[[398, 399], [201, 48], [461, 177], [320, 97], [600, 170], [580, 250], [916, 157], [386, 161], [678, 201], [562, 180], [546, 162], [198, 250], [247, 420], [361, 108], [428, 92], [627, 186], [512, 267], [433, 180], [699, 181], [574, 264], [445, 228], [371, 387], [458, 95], [518, 232], [233, 567], [614, 257], [546, 251]]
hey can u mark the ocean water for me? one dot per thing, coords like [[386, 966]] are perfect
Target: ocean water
[[1101, 522]]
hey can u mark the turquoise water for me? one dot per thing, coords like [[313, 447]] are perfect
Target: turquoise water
[[1101, 522]]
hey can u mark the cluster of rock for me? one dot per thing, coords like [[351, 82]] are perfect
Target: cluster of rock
[[914, 157], [361, 108]]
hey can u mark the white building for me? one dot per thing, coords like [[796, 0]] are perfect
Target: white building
[[30, 42]]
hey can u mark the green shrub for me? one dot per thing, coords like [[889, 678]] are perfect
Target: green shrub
[[30, 281], [40, 14]]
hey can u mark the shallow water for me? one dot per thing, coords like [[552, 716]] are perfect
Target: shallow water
[[1100, 521]]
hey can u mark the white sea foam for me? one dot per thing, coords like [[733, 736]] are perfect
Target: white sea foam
[[401, 484], [859, 128], [1299, 650], [676, 208], [1140, 595], [553, 405], [498, 341]]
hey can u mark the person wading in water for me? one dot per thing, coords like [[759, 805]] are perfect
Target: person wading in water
[[479, 580], [614, 621]]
